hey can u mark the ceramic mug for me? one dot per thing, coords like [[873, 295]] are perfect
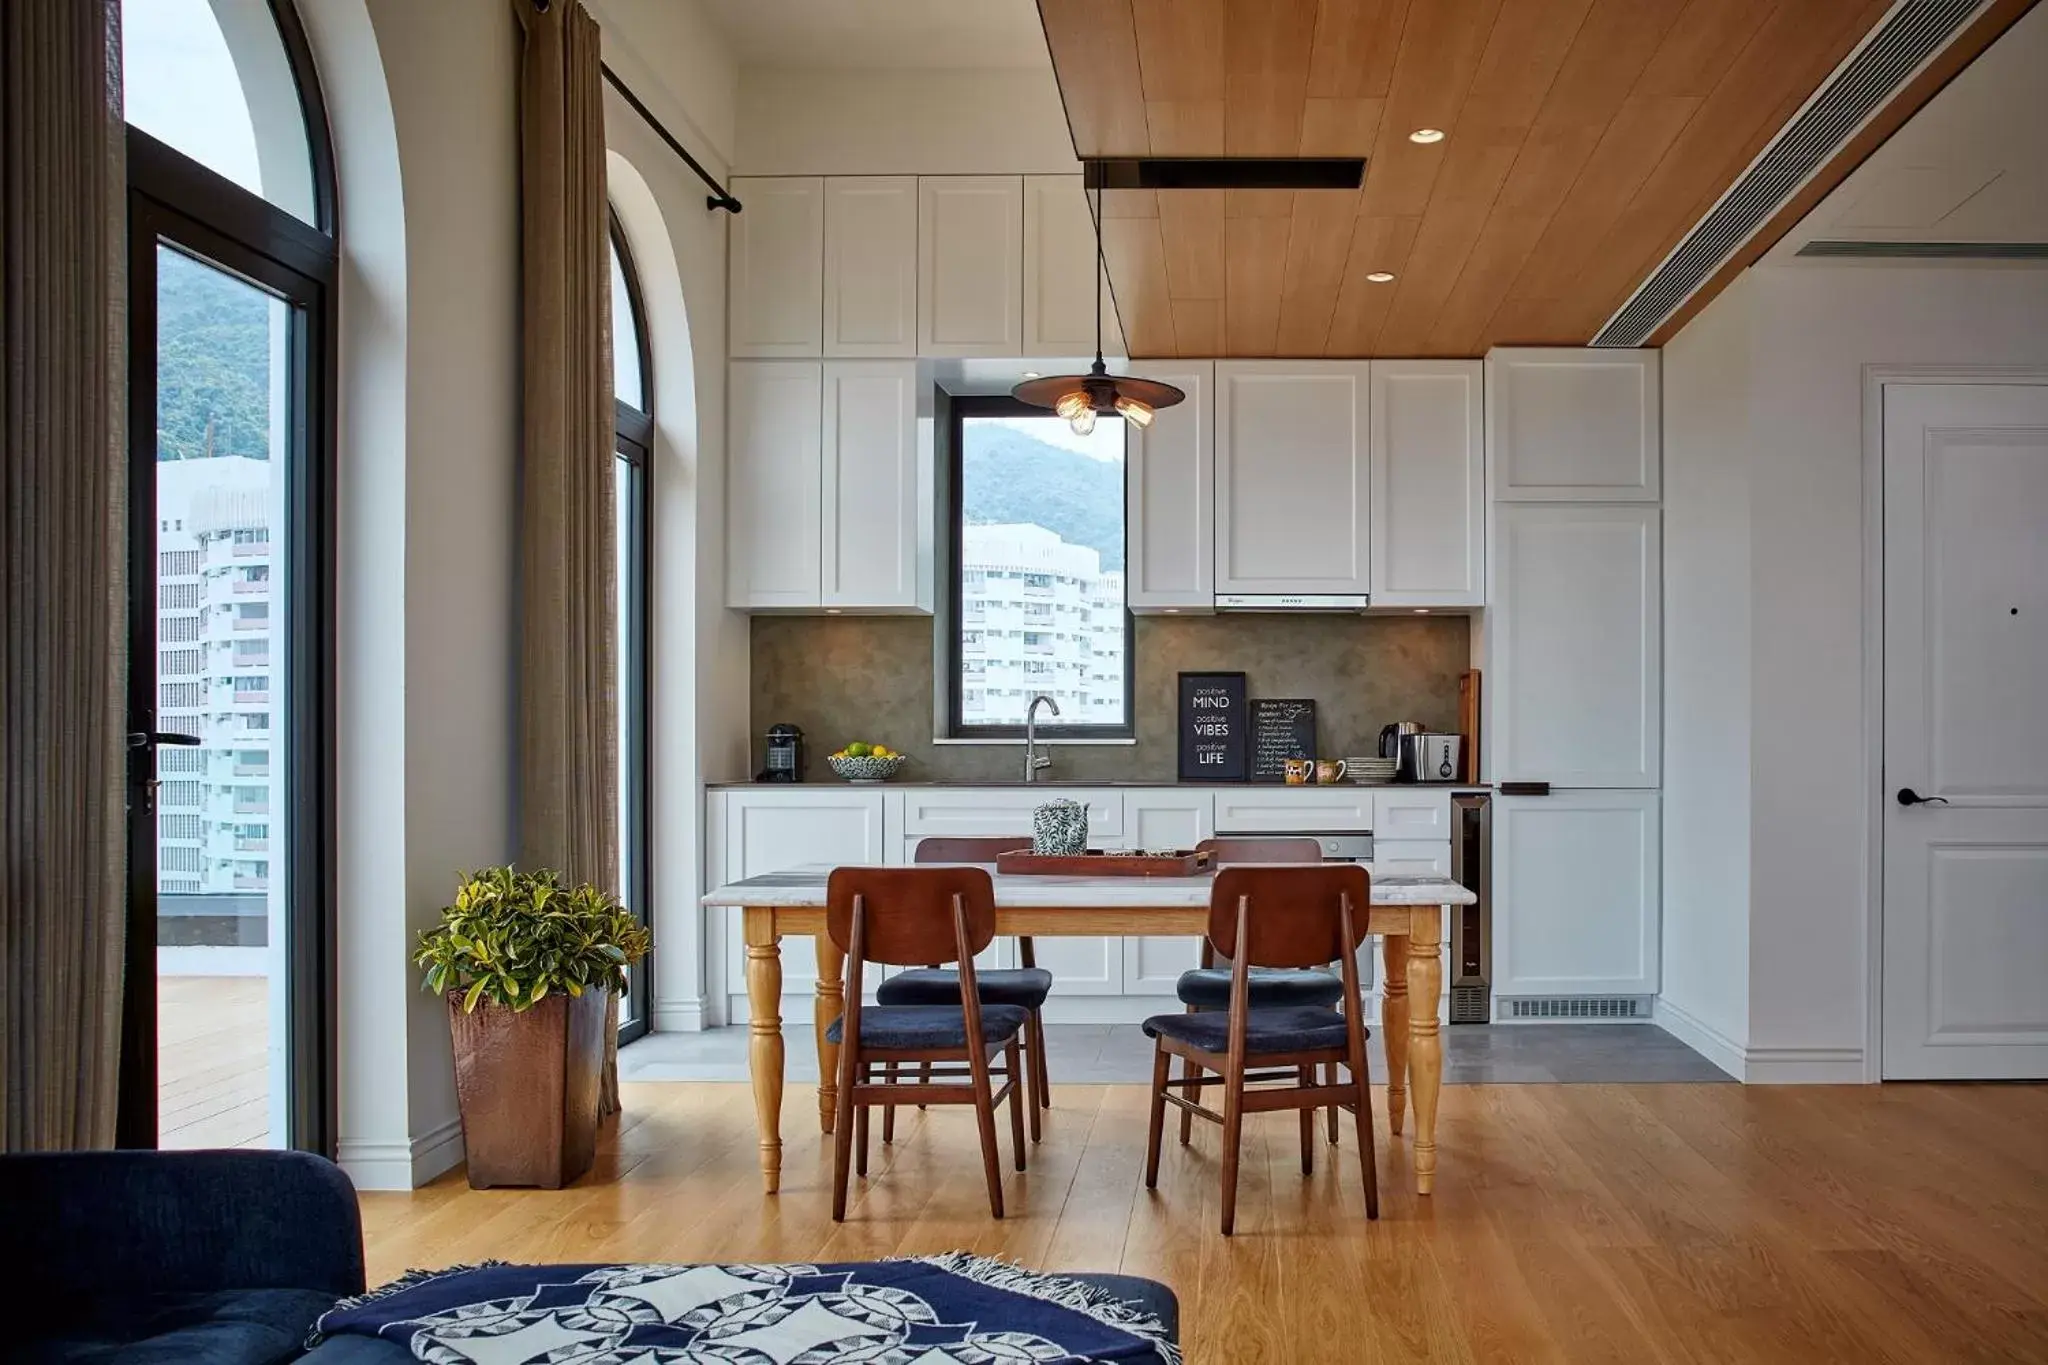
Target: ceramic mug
[[1331, 770], [1300, 771]]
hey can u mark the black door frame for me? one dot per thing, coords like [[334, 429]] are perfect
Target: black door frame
[[633, 442], [179, 203]]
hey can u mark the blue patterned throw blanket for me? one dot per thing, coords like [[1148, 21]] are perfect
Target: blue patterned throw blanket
[[933, 1310]]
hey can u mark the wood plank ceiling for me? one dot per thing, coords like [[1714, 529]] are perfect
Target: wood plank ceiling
[[1583, 140]]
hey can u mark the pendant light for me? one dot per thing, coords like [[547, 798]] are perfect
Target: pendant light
[[1081, 398]]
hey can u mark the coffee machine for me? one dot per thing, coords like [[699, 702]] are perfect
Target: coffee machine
[[783, 760]]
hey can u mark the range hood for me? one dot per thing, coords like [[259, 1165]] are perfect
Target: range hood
[[1352, 602]]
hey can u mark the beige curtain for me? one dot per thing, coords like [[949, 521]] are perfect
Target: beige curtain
[[568, 710], [63, 585]]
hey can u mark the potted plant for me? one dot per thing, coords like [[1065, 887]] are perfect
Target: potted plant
[[528, 967]]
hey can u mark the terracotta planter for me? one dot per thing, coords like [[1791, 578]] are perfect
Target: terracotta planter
[[528, 1085]]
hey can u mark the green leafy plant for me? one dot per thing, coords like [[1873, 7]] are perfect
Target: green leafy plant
[[517, 937]]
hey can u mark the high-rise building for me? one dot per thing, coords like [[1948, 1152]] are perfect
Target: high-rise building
[[1038, 615]]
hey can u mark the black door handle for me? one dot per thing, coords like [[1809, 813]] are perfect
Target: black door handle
[[1909, 797], [151, 739]]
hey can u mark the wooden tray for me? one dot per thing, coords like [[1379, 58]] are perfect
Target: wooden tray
[[1022, 862]]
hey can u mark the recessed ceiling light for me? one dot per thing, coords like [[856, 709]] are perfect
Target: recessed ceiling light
[[1031, 374], [1381, 277], [1426, 135], [1422, 611], [831, 611], [1173, 611]]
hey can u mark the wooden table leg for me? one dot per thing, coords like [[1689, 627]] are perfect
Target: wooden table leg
[[764, 1045], [1394, 1024], [829, 1003], [1425, 1047]]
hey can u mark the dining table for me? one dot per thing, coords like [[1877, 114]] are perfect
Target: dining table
[[1407, 911]]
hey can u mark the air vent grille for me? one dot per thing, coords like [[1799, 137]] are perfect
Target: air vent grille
[[1925, 251], [1912, 33], [1468, 1004], [1580, 1007]]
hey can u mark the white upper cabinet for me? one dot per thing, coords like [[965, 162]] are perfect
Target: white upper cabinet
[[1061, 272], [1170, 487], [1565, 424], [870, 265], [1293, 488], [1428, 483], [970, 257], [875, 522], [1576, 893], [777, 268], [773, 483], [1573, 689]]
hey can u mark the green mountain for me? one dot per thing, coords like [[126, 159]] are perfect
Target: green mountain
[[213, 363], [1007, 476]]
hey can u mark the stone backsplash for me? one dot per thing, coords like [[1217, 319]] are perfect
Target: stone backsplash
[[843, 678]]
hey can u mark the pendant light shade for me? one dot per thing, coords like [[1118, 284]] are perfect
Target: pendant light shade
[[1081, 398]]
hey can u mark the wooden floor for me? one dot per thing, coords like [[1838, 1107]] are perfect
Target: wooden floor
[[1708, 1223], [213, 1061]]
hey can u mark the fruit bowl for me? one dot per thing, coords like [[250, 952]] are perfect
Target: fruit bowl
[[867, 768]]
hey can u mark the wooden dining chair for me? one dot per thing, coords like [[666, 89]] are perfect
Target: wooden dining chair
[[1027, 985], [897, 916], [1207, 987], [1290, 917]]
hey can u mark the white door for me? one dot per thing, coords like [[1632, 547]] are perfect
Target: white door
[[970, 265], [871, 265], [1169, 495], [1574, 690], [1428, 483], [1293, 490], [1966, 724], [773, 484], [1576, 893], [872, 527], [778, 267]]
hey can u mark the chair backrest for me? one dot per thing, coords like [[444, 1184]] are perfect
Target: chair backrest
[[1295, 915], [908, 919], [1231, 852], [945, 849]]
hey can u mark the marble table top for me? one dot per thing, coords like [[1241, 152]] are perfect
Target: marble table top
[[804, 885]]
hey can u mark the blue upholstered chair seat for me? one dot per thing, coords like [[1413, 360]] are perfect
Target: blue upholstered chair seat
[[1288, 1028], [931, 1026], [1209, 988], [224, 1327], [1025, 986]]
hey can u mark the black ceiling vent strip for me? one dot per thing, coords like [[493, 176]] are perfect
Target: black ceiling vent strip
[[1832, 249], [1912, 33], [1224, 172]]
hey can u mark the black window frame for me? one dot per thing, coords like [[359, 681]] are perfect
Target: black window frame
[[633, 442], [959, 408]]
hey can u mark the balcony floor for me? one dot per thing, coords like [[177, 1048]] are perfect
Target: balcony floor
[[213, 1061]]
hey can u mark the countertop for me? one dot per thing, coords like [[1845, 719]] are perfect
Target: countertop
[[805, 886], [1070, 783]]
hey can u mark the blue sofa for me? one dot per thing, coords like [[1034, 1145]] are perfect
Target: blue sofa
[[152, 1258]]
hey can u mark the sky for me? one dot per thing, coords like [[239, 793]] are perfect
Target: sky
[[181, 87], [1105, 443]]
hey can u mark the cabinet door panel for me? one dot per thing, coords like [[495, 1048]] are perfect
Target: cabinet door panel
[[777, 268], [1170, 490], [1061, 272], [1293, 495], [1152, 966], [769, 832], [1574, 646], [1428, 483], [1410, 858], [870, 520], [773, 483], [1571, 425], [983, 812], [1575, 893], [1411, 813], [871, 266], [970, 289], [1265, 810]]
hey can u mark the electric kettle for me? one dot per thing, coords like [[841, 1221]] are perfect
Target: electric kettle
[[1390, 738]]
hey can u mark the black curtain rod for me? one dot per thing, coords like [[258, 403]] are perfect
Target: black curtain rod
[[719, 198]]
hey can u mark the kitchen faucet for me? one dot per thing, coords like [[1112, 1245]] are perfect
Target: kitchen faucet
[[1032, 760]]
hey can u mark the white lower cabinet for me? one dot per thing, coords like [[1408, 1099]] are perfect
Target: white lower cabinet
[[1575, 893]]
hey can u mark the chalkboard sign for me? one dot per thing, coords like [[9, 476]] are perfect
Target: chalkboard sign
[[1281, 730], [1213, 727]]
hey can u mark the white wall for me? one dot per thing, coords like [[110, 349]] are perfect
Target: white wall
[[922, 122], [678, 64], [1812, 332]]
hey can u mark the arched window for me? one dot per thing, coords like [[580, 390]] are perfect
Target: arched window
[[632, 378], [231, 272]]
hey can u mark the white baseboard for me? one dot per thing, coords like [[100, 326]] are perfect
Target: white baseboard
[[403, 1165], [1703, 1038], [1762, 1065], [677, 1016]]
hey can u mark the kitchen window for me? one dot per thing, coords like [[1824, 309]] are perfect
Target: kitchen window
[[1037, 549]]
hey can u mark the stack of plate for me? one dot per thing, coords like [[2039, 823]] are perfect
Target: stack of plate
[[1370, 772]]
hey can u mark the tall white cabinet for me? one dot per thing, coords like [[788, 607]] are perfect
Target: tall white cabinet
[[1170, 495], [1293, 482], [1574, 685]]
